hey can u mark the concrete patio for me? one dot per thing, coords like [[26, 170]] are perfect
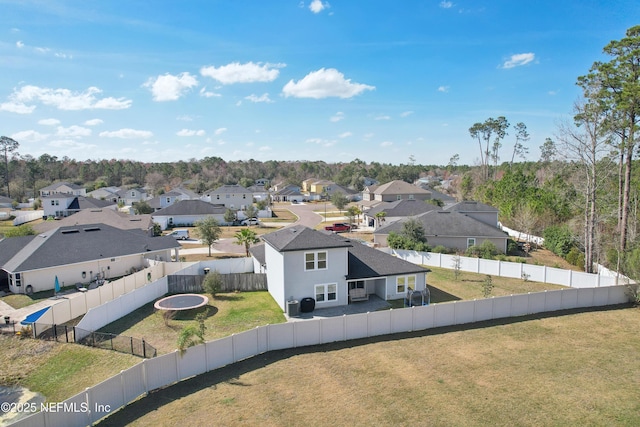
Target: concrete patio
[[374, 303]]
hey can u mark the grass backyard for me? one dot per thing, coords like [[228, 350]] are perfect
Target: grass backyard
[[229, 313], [57, 370], [570, 369]]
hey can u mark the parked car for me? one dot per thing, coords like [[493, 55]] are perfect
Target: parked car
[[250, 221], [181, 234], [339, 227]]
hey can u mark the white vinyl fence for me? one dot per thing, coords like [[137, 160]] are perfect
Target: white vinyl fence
[[126, 302], [150, 374], [79, 304], [516, 270], [22, 217]]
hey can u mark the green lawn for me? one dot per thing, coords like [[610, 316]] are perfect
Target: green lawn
[[229, 313]]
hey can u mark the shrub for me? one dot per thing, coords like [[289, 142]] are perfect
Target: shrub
[[486, 250], [212, 283], [441, 249], [558, 239], [512, 247]]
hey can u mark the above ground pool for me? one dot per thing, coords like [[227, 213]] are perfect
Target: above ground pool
[[181, 302]]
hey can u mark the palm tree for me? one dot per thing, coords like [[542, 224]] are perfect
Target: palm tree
[[246, 237]]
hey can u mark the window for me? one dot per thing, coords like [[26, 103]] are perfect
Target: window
[[404, 283], [133, 194], [411, 197], [399, 197], [217, 197], [168, 199], [315, 261], [471, 242], [244, 196], [326, 293]]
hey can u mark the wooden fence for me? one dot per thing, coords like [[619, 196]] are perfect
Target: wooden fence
[[181, 284]]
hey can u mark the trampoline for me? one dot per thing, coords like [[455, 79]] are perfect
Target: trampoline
[[181, 302]]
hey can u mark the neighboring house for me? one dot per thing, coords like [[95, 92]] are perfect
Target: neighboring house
[[480, 211], [234, 197], [105, 193], [132, 196], [77, 254], [5, 202], [185, 213], [395, 190], [351, 195], [62, 205], [446, 199], [259, 192], [108, 217], [301, 262], [452, 230], [185, 193], [63, 188], [289, 193], [262, 182], [316, 189], [164, 200], [395, 211]]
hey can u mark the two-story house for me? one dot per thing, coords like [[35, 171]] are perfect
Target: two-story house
[[61, 205], [63, 188], [394, 190], [304, 263], [234, 197]]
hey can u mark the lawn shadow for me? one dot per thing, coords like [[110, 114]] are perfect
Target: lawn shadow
[[438, 295], [230, 374], [191, 314], [227, 297]]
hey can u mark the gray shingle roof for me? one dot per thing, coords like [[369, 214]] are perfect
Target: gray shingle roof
[[69, 245], [470, 206], [299, 238], [399, 187], [403, 208], [60, 184], [99, 216], [447, 224], [191, 207], [229, 189], [363, 261]]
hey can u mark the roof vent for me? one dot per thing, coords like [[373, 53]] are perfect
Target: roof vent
[[91, 229], [73, 230]]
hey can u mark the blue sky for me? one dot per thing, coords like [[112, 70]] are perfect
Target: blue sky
[[293, 80]]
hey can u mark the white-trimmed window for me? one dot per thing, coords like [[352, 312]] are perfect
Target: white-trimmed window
[[399, 197], [404, 283], [471, 242], [315, 260], [326, 292], [411, 197]]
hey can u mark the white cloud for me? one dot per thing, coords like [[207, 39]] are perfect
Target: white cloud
[[169, 87], [72, 132], [16, 107], [42, 49], [220, 131], [262, 98], [444, 89], [207, 94], [406, 113], [243, 73], [322, 142], [63, 99], [317, 6], [345, 135], [386, 144], [264, 148], [185, 118], [189, 132], [49, 122], [518, 60], [552, 92], [29, 136], [338, 116], [324, 83], [70, 144], [446, 4], [368, 135], [19, 44], [127, 134], [93, 122], [382, 117]]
